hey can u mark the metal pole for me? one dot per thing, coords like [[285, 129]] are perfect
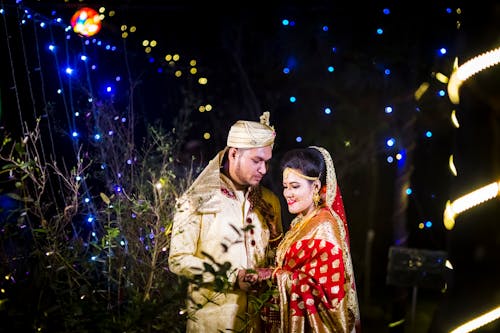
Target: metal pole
[[413, 308]]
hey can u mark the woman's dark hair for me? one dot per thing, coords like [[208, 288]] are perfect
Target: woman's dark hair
[[308, 160]]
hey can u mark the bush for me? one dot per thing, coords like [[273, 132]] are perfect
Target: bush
[[84, 249]]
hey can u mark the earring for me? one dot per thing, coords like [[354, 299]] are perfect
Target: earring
[[316, 199]]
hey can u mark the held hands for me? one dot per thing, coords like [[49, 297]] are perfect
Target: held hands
[[250, 279]]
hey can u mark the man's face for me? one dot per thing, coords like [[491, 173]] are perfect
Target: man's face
[[248, 166]]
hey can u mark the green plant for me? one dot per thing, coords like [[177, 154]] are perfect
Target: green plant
[[75, 266]]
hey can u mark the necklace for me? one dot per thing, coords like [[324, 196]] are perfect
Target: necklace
[[300, 218], [290, 236]]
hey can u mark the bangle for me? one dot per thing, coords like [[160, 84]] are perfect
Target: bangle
[[276, 238]]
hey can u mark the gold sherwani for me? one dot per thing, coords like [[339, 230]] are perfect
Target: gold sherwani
[[214, 220]]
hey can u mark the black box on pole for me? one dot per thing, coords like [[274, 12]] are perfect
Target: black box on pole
[[411, 267]]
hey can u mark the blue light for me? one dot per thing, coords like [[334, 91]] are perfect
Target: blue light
[[428, 134], [388, 109], [386, 11], [90, 219], [97, 137], [286, 70], [293, 99], [380, 31], [74, 134], [387, 71], [428, 224], [390, 142], [285, 22], [52, 48], [86, 200], [298, 139], [69, 70], [109, 89], [401, 158], [325, 28], [442, 51], [328, 111], [83, 57], [331, 69], [441, 93], [291, 62], [390, 159], [409, 191]]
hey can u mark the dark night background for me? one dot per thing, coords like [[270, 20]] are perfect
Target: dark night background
[[242, 48]]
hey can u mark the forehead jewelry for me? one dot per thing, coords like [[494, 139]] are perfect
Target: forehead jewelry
[[296, 172]]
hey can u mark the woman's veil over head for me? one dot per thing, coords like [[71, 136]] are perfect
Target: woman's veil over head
[[336, 207]]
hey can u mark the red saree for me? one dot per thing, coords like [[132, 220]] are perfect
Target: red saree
[[316, 294]]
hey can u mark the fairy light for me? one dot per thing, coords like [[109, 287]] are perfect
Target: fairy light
[[451, 165], [454, 119], [466, 202], [468, 69]]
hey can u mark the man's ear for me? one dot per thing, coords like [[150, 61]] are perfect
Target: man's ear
[[232, 153]]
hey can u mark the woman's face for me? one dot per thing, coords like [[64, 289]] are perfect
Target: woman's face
[[298, 192]]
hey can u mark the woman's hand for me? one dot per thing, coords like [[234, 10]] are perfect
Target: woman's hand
[[250, 279], [264, 274]]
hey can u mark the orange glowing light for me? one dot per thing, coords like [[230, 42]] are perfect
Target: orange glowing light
[[86, 22]]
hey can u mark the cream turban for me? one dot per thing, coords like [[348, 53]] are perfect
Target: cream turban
[[251, 134]]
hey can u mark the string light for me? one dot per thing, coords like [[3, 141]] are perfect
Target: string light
[[478, 322], [468, 69], [466, 202]]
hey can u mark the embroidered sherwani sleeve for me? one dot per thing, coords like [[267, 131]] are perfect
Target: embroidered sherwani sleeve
[[183, 257]]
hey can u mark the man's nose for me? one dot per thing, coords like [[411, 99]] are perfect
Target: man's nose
[[263, 168]]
